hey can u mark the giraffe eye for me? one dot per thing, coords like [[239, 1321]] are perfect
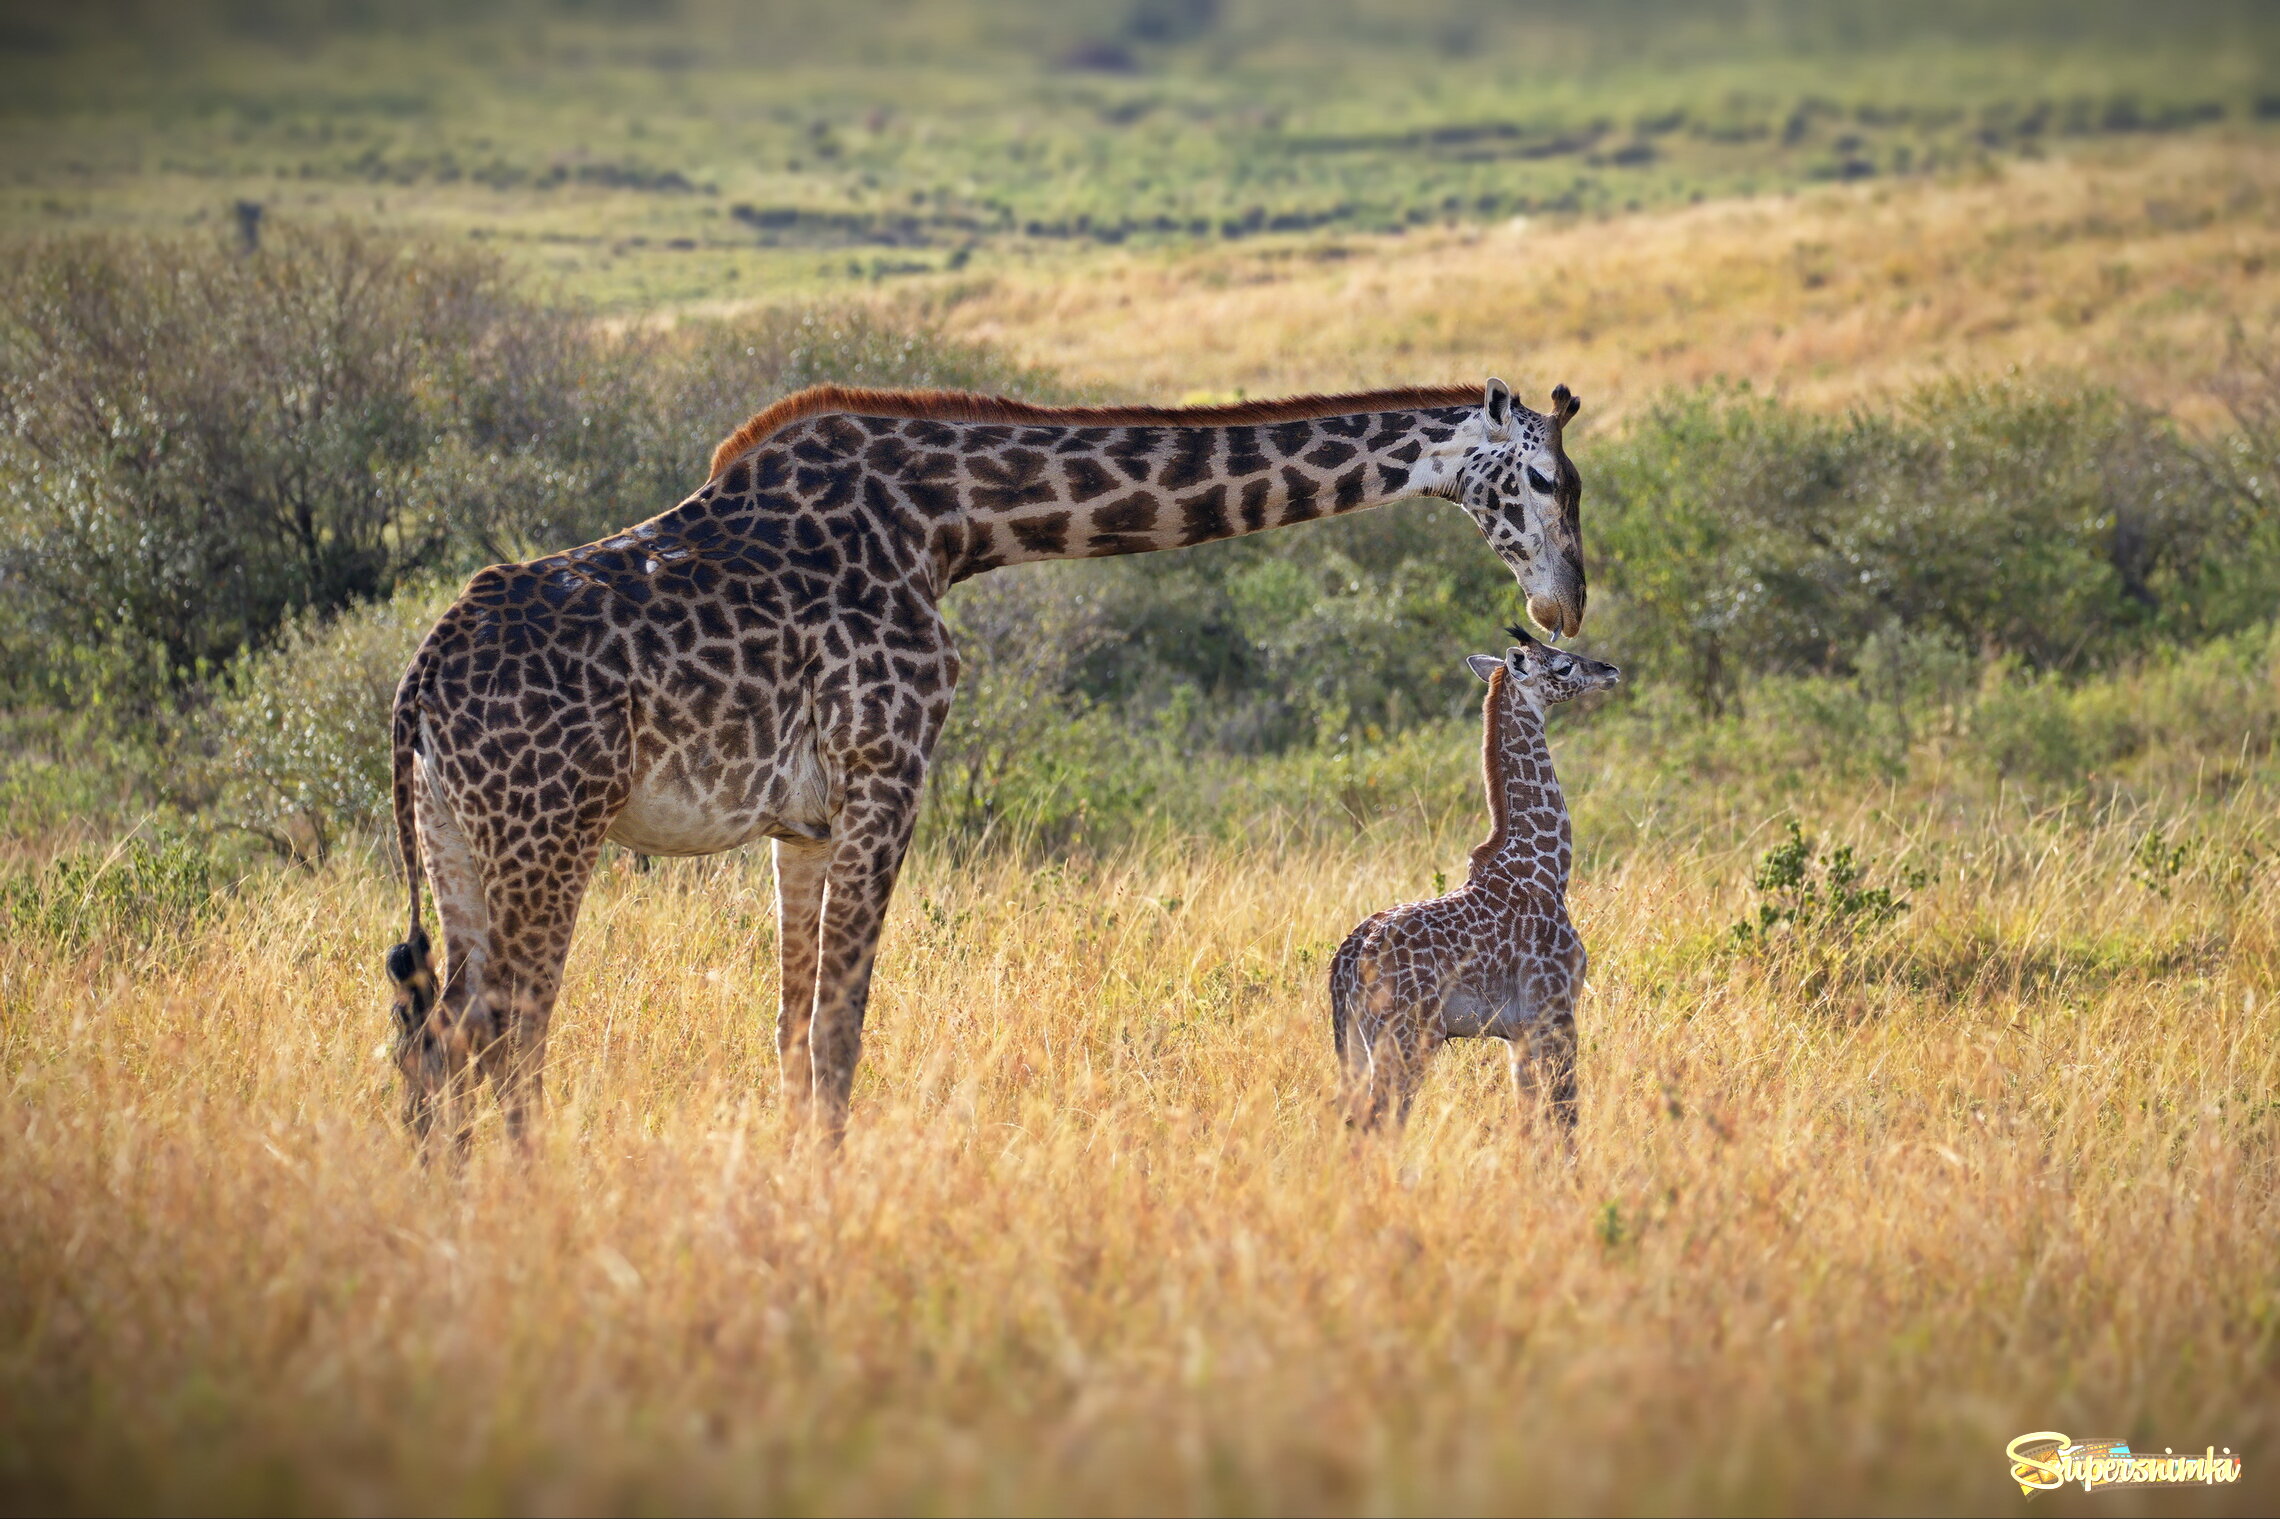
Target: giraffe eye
[[1538, 479]]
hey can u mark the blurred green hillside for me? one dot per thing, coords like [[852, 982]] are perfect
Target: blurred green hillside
[[233, 488], [681, 150]]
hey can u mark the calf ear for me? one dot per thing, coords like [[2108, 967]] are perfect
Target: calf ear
[[1483, 665], [1496, 405]]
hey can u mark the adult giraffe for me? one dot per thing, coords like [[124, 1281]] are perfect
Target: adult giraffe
[[768, 660]]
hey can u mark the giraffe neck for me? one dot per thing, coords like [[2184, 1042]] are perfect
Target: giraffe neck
[[1085, 491], [1529, 835]]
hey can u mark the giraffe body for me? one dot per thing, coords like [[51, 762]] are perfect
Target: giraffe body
[[1498, 957], [768, 660]]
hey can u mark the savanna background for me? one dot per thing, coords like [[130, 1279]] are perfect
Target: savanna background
[[1926, 858]]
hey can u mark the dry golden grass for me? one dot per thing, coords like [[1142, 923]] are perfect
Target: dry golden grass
[[1097, 1240], [2130, 265]]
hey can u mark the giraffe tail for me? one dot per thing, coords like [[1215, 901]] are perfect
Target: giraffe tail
[[410, 965], [1343, 984]]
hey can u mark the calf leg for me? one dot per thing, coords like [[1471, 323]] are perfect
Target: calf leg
[[1393, 1047], [1543, 1067]]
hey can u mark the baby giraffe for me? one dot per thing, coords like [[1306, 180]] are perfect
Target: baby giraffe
[[1496, 958]]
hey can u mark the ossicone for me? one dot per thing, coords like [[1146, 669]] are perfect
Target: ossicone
[[1565, 404]]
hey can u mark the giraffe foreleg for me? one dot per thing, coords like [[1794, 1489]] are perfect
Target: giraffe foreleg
[[801, 870], [868, 842]]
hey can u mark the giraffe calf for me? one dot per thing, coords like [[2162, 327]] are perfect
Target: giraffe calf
[[1497, 958]]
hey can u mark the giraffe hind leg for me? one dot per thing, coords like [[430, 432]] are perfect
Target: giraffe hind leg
[[432, 1047], [1386, 1046], [1543, 1068], [533, 901]]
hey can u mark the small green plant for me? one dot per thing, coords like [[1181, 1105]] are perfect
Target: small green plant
[[2156, 863], [1838, 902], [941, 927]]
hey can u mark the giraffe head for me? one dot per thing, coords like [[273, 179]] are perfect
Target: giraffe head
[[1540, 675], [1506, 468]]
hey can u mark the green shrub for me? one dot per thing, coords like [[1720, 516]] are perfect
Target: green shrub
[[198, 443], [1341, 631], [300, 729], [1837, 903], [142, 891], [1025, 760], [2027, 727], [195, 442], [2177, 709], [1734, 535]]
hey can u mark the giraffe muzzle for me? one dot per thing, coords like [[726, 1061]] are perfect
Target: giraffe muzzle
[[1560, 617]]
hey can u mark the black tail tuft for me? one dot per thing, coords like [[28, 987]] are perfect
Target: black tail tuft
[[410, 967]]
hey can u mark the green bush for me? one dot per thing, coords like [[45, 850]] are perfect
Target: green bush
[[197, 443], [1836, 903], [1341, 631], [1735, 535], [143, 891], [1024, 760], [1732, 537], [299, 730], [2175, 711]]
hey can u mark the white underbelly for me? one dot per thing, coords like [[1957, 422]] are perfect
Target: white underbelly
[[669, 821], [682, 816], [1491, 1012]]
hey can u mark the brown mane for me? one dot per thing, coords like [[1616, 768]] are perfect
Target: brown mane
[[1493, 721], [967, 406]]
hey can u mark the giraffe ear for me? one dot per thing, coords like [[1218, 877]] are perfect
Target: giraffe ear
[[1496, 405], [1483, 665]]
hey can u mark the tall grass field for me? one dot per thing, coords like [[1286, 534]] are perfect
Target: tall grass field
[[1852, 1206]]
